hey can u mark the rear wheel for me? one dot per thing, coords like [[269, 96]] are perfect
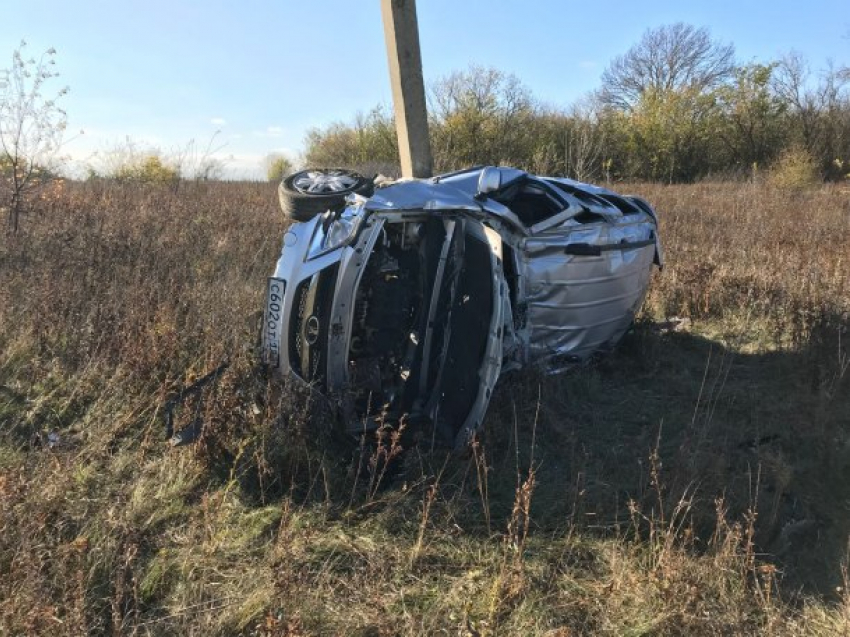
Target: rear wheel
[[307, 193]]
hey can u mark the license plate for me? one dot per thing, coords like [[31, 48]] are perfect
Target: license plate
[[273, 322]]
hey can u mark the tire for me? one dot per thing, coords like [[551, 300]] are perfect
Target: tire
[[307, 193]]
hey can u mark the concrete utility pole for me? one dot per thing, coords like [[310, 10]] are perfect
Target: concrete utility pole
[[411, 116]]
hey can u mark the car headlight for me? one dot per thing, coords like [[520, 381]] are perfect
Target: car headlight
[[334, 231]]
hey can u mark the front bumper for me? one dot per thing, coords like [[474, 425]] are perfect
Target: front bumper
[[309, 336], [313, 314]]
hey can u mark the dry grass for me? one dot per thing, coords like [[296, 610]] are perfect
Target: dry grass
[[695, 482]]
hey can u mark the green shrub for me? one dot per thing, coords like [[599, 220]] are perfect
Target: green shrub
[[795, 169], [148, 169], [277, 167]]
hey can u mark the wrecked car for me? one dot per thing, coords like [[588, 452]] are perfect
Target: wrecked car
[[408, 299]]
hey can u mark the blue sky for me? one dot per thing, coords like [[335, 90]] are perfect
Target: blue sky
[[263, 72]]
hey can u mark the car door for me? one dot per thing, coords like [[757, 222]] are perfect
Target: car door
[[585, 269]]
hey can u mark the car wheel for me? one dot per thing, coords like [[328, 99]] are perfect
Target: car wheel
[[307, 193]]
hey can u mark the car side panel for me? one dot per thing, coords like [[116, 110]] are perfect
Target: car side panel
[[578, 304]]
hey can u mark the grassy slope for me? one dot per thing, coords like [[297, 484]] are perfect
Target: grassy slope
[[693, 482]]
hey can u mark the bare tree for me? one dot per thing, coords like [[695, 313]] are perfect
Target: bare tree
[[819, 111], [792, 83], [810, 102], [480, 115], [670, 57], [32, 127], [583, 142]]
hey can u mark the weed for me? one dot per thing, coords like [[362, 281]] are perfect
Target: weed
[[730, 519]]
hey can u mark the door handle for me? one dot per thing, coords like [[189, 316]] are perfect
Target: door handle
[[590, 250]]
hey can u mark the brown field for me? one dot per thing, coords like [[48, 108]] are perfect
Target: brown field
[[694, 482]]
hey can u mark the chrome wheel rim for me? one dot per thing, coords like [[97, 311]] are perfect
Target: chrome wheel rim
[[318, 182]]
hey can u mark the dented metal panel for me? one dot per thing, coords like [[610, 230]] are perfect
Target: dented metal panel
[[578, 304]]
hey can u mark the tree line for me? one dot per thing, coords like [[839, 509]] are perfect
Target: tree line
[[675, 107]]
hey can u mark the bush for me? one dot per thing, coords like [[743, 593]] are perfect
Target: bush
[[277, 167], [148, 169], [795, 169]]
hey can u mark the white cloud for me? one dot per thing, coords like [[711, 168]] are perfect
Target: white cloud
[[270, 131], [588, 64], [218, 121]]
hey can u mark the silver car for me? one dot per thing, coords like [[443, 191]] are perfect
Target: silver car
[[408, 299]]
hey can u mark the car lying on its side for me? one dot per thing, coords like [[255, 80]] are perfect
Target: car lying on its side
[[409, 298]]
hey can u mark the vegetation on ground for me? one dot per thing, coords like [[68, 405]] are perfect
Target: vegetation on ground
[[695, 481]]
